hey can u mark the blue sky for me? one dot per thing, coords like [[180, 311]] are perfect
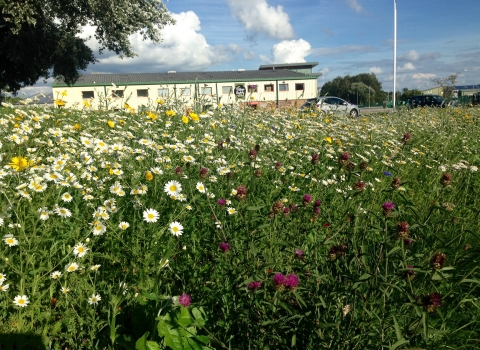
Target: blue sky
[[346, 37]]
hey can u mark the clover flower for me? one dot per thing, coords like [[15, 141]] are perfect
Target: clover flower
[[224, 246], [387, 208], [432, 302], [185, 300], [254, 285]]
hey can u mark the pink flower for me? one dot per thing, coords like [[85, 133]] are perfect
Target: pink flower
[[185, 300]]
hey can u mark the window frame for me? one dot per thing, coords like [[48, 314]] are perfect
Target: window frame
[[269, 85], [88, 98], [299, 84], [138, 93], [183, 91], [203, 88], [115, 93], [229, 92], [161, 94], [283, 85]]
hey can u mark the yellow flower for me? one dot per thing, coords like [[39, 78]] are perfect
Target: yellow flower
[[170, 113], [149, 176], [86, 104], [185, 119], [160, 101], [152, 116], [328, 139], [194, 117], [77, 127], [64, 93], [59, 103], [252, 98], [327, 120], [20, 163], [111, 124], [126, 105]]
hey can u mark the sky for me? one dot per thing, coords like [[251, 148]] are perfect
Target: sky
[[346, 37]]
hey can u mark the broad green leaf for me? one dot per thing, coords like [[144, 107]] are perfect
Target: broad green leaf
[[184, 317], [151, 345], [141, 343], [399, 343], [398, 332], [469, 280], [171, 335]]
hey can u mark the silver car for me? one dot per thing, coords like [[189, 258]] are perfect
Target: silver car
[[335, 105]]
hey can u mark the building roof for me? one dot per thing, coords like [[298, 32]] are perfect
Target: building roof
[[466, 87], [303, 65], [185, 77]]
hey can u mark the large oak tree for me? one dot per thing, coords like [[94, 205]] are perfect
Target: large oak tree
[[40, 38]]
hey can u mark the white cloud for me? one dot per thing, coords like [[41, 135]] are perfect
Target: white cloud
[[182, 48], [375, 70], [355, 5], [291, 51], [260, 18], [423, 76], [406, 67], [411, 55]]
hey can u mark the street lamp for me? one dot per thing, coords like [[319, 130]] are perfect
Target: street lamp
[[473, 81]]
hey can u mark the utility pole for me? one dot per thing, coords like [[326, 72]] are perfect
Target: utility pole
[[394, 51]]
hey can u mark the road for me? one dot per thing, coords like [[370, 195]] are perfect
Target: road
[[368, 110]]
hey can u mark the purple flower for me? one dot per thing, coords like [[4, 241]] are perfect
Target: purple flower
[[254, 285], [278, 279], [185, 300], [388, 206], [317, 203], [298, 253], [291, 281], [221, 202], [386, 173], [315, 159], [307, 199], [224, 246]]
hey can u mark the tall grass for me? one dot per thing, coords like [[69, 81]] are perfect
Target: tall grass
[[295, 230]]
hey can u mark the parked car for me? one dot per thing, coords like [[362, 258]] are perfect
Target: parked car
[[335, 105], [310, 103], [426, 101]]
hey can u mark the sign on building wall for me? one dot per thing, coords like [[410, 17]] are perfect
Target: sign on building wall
[[239, 91]]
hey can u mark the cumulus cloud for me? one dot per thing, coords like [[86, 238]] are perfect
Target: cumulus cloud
[[423, 76], [375, 70], [260, 18], [183, 48], [412, 55], [406, 67], [355, 5], [291, 51]]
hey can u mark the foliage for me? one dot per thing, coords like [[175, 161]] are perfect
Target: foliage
[[287, 229], [40, 38], [348, 87], [406, 94], [447, 84]]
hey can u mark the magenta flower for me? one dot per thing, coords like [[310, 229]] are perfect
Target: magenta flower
[[317, 203], [307, 199], [388, 206], [221, 202], [185, 300], [224, 246], [291, 281], [278, 279], [315, 159], [298, 253], [254, 285]]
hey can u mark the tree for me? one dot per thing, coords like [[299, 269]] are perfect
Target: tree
[[39, 38], [406, 94], [348, 86], [447, 84]]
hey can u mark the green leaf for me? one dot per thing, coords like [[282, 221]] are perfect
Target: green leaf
[[365, 277], [184, 318], [399, 343], [199, 315], [398, 332], [151, 345], [393, 250], [469, 280], [254, 208], [171, 335], [141, 343]]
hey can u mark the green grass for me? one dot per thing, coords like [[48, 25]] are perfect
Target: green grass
[[368, 278]]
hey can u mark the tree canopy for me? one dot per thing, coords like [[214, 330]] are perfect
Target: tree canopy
[[40, 38], [365, 84]]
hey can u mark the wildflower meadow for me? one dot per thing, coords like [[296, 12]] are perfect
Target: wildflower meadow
[[173, 228]]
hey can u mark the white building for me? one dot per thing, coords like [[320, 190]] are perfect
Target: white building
[[271, 85]]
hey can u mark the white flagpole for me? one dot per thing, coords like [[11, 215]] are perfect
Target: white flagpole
[[394, 51]]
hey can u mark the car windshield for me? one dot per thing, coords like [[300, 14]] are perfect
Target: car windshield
[[439, 99]]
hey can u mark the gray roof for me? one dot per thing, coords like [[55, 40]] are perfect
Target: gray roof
[[289, 65], [185, 77]]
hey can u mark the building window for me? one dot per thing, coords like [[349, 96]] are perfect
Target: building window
[[268, 88], [163, 92], [206, 90], [283, 87], [227, 90], [117, 93], [299, 86], [87, 94], [185, 91], [142, 93], [252, 88]]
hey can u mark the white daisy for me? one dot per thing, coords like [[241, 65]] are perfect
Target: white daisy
[[44, 214], [98, 228], [200, 187], [3, 277], [63, 212], [150, 215], [231, 210], [56, 275], [176, 228], [95, 267], [94, 299], [80, 250], [4, 287], [65, 290], [173, 188], [123, 225], [72, 267], [10, 240], [66, 197], [21, 300]]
